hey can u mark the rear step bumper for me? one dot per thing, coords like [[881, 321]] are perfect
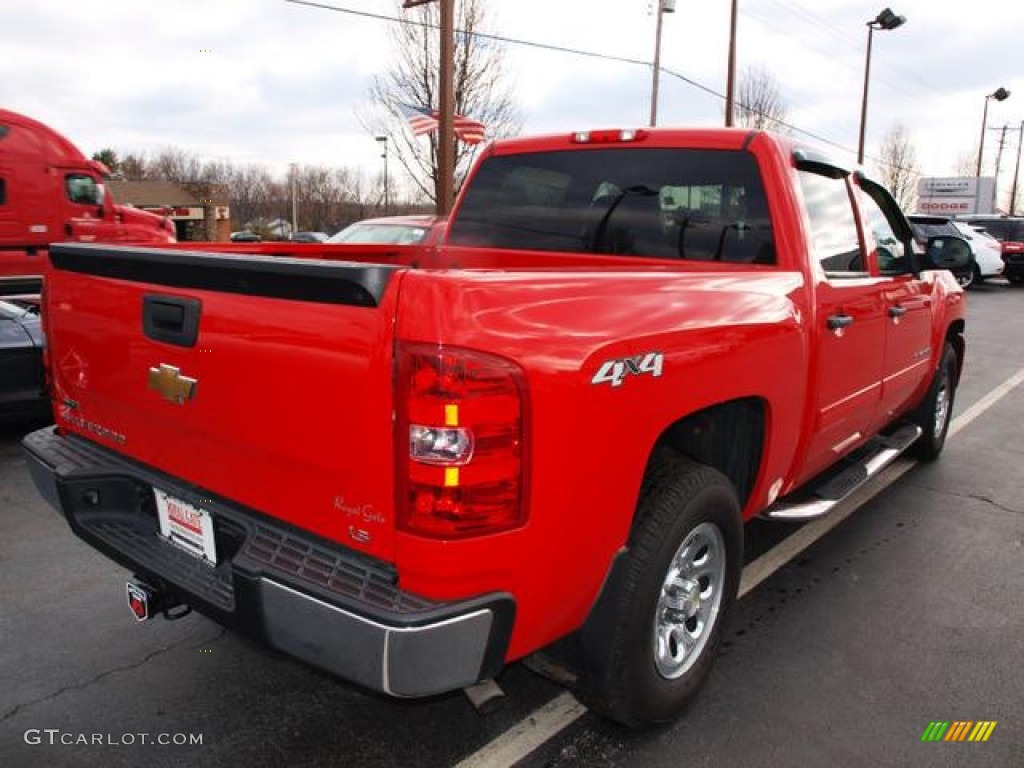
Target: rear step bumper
[[334, 608]]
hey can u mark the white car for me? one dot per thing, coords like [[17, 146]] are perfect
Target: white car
[[988, 253]]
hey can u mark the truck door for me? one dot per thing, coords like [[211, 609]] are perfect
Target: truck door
[[848, 324], [908, 299], [83, 201]]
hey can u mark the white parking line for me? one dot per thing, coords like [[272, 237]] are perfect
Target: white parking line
[[562, 711], [524, 737]]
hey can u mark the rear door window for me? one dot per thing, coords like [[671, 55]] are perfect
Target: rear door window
[[706, 205], [835, 243]]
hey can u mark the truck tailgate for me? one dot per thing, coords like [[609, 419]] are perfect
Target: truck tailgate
[[264, 381]]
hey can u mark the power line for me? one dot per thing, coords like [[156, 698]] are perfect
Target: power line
[[576, 52]]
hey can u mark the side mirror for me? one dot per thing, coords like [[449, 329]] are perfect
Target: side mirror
[[947, 252]]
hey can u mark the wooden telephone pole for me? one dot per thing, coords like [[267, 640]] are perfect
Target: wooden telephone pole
[[446, 108]]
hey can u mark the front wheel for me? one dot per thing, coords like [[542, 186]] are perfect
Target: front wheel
[[1015, 278], [935, 411], [682, 575]]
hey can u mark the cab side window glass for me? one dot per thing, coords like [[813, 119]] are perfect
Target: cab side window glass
[[82, 189], [834, 239], [3, 191], [890, 249]]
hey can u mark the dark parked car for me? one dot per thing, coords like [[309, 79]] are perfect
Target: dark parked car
[[925, 227], [1008, 230], [22, 384], [245, 236], [309, 237]]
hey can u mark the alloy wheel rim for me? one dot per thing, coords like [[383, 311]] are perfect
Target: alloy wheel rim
[[689, 601], [941, 404]]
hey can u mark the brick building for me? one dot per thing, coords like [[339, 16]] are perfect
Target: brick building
[[199, 211]]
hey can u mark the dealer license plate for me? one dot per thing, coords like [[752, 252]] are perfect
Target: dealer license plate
[[186, 526]]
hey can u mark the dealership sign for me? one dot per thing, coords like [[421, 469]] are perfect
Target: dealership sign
[[956, 196]]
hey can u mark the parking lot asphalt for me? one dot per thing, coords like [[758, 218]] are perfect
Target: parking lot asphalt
[[910, 611]]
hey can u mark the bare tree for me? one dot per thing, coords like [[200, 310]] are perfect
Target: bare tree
[[175, 164], [481, 91], [760, 104], [897, 166]]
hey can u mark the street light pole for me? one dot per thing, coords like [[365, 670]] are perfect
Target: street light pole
[[664, 6], [294, 169], [999, 94], [384, 143], [885, 20]]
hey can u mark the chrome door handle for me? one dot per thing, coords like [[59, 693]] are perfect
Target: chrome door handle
[[897, 311]]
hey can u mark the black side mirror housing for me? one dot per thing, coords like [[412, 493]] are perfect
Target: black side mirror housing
[[948, 252]]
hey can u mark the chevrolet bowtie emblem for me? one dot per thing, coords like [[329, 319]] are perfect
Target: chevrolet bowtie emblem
[[168, 381]]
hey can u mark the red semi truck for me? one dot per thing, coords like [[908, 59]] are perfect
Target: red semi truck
[[50, 192], [412, 465]]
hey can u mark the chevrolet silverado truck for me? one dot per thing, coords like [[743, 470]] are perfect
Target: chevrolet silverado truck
[[410, 466]]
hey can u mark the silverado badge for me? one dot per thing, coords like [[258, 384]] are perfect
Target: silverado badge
[[168, 381]]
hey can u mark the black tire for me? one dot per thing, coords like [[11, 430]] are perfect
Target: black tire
[[935, 411], [681, 501], [968, 278], [1015, 278]]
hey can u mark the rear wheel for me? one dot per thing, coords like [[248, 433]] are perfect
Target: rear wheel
[[935, 411], [685, 556], [969, 277]]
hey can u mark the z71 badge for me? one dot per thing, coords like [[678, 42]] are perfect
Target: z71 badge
[[614, 372]]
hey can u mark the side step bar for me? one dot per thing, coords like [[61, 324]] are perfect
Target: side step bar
[[826, 496]]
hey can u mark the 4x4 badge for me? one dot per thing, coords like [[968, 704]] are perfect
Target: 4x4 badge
[[168, 381], [614, 372]]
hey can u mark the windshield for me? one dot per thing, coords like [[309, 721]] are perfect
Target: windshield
[[394, 234], [698, 204]]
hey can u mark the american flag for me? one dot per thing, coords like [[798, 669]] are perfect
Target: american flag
[[423, 121]]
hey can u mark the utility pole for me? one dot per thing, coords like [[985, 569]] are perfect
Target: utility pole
[[1016, 171], [999, 160], [446, 108]]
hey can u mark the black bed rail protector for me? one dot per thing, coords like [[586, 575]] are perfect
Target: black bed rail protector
[[326, 282]]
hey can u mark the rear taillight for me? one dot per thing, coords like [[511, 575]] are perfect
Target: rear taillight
[[459, 434]]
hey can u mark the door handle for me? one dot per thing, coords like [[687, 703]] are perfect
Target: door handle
[[835, 322], [897, 311]]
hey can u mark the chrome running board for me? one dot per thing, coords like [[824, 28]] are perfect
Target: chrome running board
[[819, 500]]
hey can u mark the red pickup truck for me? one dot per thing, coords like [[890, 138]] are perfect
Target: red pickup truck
[[412, 465]]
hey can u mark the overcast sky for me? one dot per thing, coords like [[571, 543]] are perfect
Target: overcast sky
[[275, 82]]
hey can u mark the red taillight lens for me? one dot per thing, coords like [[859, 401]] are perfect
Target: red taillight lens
[[460, 417]]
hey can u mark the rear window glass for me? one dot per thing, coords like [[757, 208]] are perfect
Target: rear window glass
[[1001, 229], [706, 205], [924, 231]]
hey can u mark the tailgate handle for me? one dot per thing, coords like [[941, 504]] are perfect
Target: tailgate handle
[[171, 319]]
